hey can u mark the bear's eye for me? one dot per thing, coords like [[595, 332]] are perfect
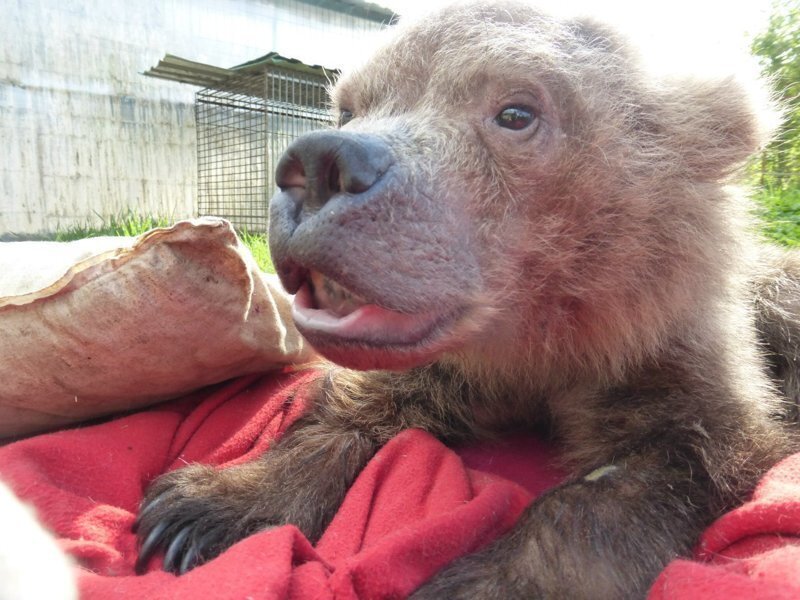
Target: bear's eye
[[515, 117], [345, 116]]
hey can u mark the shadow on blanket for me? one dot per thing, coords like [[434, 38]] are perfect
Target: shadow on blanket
[[416, 506]]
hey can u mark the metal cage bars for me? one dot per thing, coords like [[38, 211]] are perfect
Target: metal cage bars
[[243, 127]]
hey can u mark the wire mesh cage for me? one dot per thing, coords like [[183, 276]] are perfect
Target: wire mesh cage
[[244, 124]]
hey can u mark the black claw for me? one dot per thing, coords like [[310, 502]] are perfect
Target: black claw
[[146, 509], [190, 559], [175, 549], [149, 546]]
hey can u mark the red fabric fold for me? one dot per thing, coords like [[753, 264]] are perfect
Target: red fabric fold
[[416, 506], [751, 552]]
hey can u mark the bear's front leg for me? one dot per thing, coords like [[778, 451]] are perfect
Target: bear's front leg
[[603, 536], [194, 514]]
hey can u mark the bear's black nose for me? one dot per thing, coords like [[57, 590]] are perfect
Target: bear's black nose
[[326, 163]]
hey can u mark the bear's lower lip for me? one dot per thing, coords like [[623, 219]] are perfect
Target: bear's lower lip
[[368, 324]]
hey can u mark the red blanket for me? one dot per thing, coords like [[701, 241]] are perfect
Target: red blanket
[[416, 506]]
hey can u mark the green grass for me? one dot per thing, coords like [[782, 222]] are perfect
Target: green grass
[[127, 225], [781, 215], [132, 225], [257, 242]]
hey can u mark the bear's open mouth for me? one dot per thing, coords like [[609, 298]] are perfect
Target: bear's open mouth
[[325, 309], [333, 297]]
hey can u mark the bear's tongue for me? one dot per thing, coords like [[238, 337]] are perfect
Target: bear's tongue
[[322, 306]]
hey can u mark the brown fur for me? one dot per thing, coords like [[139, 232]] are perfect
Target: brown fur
[[777, 293], [592, 274]]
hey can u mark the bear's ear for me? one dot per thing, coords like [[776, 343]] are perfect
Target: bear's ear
[[596, 35], [713, 126], [706, 125]]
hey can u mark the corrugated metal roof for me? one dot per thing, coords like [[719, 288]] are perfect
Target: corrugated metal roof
[[277, 60], [358, 8], [175, 68]]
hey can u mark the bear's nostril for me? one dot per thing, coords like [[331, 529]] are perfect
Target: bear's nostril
[[334, 178], [290, 173]]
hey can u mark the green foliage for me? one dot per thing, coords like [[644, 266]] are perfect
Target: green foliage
[[777, 170], [781, 215], [778, 49]]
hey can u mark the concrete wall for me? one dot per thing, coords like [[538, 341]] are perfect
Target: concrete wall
[[84, 136]]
